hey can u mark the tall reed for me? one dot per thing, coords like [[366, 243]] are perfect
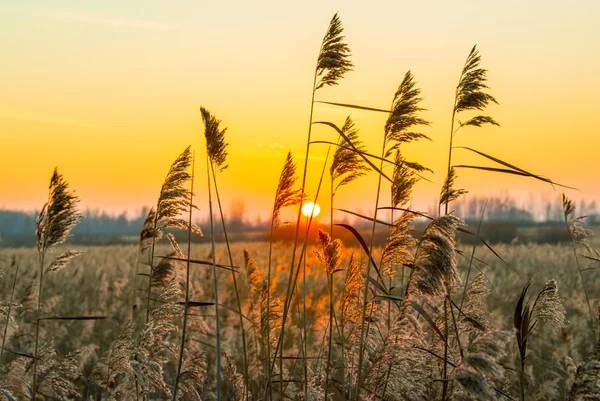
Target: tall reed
[[217, 151], [285, 196], [53, 225], [402, 117], [578, 237], [187, 283], [333, 62]]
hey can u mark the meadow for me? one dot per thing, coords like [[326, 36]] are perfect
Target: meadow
[[422, 317]]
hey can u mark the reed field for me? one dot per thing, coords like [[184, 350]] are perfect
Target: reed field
[[330, 314]]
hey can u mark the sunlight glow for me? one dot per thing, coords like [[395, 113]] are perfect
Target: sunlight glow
[[311, 208]]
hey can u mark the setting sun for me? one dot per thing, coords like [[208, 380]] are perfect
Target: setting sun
[[311, 208]]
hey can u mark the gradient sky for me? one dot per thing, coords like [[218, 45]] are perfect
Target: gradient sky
[[109, 91]]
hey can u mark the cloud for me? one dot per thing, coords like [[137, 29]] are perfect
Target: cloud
[[274, 145], [44, 119], [117, 21]]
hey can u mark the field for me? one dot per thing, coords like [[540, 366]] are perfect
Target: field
[[100, 282]]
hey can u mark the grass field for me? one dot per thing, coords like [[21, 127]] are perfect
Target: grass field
[[100, 282]]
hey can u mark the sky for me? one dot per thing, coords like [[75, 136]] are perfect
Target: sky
[[109, 91]]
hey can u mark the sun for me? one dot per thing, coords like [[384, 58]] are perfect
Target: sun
[[311, 208]]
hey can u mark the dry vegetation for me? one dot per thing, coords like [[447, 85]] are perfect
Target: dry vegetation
[[417, 319]]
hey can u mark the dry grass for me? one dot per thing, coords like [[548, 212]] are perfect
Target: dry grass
[[233, 321]]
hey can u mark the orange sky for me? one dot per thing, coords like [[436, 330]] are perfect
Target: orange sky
[[110, 92]]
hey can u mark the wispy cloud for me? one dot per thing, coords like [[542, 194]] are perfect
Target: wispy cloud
[[117, 21], [33, 117], [274, 145]]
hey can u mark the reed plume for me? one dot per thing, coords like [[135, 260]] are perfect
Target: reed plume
[[475, 314], [173, 200], [115, 367], [449, 193], [286, 195], [547, 308], [434, 270], [470, 95], [347, 165], [59, 215], [236, 379], [405, 370], [481, 372], [579, 236], [333, 61], [216, 147]]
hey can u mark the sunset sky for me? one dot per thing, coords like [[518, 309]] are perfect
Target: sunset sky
[[110, 92]]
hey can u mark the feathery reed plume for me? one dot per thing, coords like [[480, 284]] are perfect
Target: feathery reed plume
[[153, 346], [480, 371], [59, 215], [174, 199], [403, 180], [400, 368], [285, 195], [193, 376], [334, 57], [449, 193], [404, 115], [398, 130], [475, 312], [330, 257], [216, 146], [114, 368], [236, 379], [470, 95], [434, 269], [14, 385], [217, 153], [397, 245], [57, 375], [148, 232], [346, 165], [53, 226], [62, 261], [578, 236], [331, 252], [547, 308], [255, 277], [586, 384]]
